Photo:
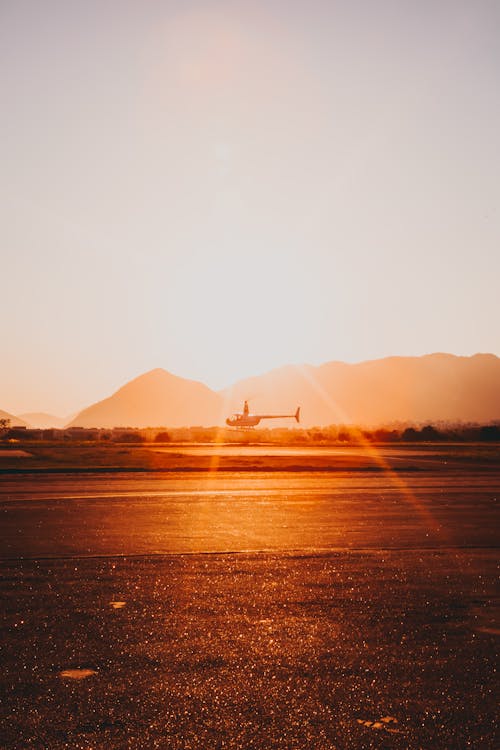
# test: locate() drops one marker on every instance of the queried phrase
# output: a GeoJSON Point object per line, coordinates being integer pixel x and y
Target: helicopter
{"type": "Point", "coordinates": [245, 419]}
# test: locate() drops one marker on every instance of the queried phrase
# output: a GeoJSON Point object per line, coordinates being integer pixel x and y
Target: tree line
{"type": "Point", "coordinates": [329, 435]}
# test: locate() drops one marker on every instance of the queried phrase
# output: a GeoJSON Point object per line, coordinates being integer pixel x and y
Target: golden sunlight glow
{"type": "Point", "coordinates": [404, 489]}
{"type": "Point", "coordinates": [237, 172]}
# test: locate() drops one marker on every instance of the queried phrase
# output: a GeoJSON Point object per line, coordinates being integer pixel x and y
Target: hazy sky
{"type": "Point", "coordinates": [219, 188]}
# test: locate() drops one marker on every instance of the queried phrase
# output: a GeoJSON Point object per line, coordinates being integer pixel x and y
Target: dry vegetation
{"type": "Point", "coordinates": [102, 456]}
{"type": "Point", "coordinates": [328, 435]}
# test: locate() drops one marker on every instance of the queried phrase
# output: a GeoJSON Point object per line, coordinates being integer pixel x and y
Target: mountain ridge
{"type": "Point", "coordinates": [14, 420]}
{"type": "Point", "coordinates": [431, 387]}
{"type": "Point", "coordinates": [42, 420]}
{"type": "Point", "coordinates": [155, 398]}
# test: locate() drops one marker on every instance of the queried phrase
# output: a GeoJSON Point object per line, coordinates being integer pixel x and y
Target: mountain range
{"type": "Point", "coordinates": [156, 398]}
{"type": "Point", "coordinates": [431, 388]}
{"type": "Point", "coordinates": [435, 387]}
{"type": "Point", "coordinates": [13, 420]}
{"type": "Point", "coordinates": [41, 420]}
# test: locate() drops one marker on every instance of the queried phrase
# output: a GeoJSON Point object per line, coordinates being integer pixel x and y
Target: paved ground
{"type": "Point", "coordinates": [43, 515]}
{"type": "Point", "coordinates": [282, 610]}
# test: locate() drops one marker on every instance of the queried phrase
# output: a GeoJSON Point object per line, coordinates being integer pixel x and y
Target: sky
{"type": "Point", "coordinates": [220, 188]}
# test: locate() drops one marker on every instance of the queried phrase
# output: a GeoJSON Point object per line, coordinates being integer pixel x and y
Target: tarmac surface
{"type": "Point", "coordinates": [281, 609]}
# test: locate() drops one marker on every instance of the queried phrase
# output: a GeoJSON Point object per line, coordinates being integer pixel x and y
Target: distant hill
{"type": "Point", "coordinates": [154, 399]}
{"type": "Point", "coordinates": [40, 420]}
{"type": "Point", "coordinates": [432, 388]}
{"type": "Point", "coordinates": [14, 421]}
{"type": "Point", "coordinates": [435, 387]}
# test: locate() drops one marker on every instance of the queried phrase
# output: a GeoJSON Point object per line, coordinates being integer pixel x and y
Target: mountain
{"type": "Point", "coordinates": [431, 388]}
{"type": "Point", "coordinates": [155, 399]}
{"type": "Point", "coordinates": [40, 420]}
{"type": "Point", "coordinates": [14, 421]}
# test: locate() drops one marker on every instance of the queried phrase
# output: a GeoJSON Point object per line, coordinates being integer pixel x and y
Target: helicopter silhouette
{"type": "Point", "coordinates": [245, 419]}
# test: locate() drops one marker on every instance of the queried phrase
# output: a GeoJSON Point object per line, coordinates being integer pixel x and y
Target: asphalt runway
{"type": "Point", "coordinates": [330, 610]}
{"type": "Point", "coordinates": [43, 516]}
